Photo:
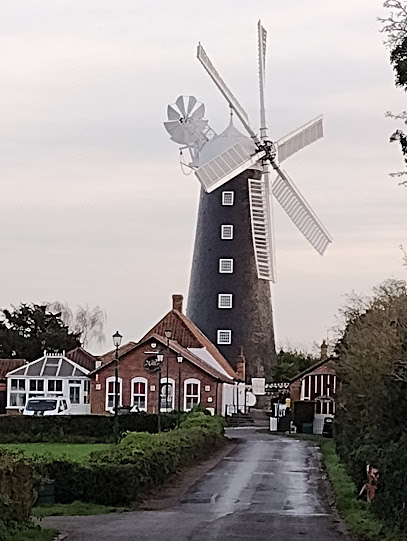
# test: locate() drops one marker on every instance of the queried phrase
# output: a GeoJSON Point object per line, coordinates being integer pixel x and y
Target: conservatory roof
{"type": "Point", "coordinates": [51, 365]}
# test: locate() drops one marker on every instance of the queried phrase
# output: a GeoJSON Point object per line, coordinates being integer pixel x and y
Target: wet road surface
{"type": "Point", "coordinates": [267, 488]}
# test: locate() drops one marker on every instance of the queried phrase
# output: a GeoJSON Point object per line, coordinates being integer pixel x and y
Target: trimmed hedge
{"type": "Point", "coordinates": [77, 428]}
{"type": "Point", "coordinates": [141, 461]}
{"type": "Point", "coordinates": [16, 488]}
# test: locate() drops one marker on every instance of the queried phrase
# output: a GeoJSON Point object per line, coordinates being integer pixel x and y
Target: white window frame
{"type": "Point", "coordinates": [225, 195]}
{"type": "Point", "coordinates": [133, 405]}
{"type": "Point", "coordinates": [35, 392]}
{"type": "Point", "coordinates": [171, 382]}
{"type": "Point", "coordinates": [16, 392]}
{"type": "Point", "coordinates": [226, 342]}
{"type": "Point", "coordinates": [222, 261]}
{"type": "Point", "coordinates": [192, 381]}
{"type": "Point", "coordinates": [110, 380]}
{"type": "Point", "coordinates": [55, 381]}
{"type": "Point", "coordinates": [224, 230]}
{"type": "Point", "coordinates": [225, 297]}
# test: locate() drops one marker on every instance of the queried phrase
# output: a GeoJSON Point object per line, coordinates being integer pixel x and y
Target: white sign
{"type": "Point", "coordinates": [259, 386]}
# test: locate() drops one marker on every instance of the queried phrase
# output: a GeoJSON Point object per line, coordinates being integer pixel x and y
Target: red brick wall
{"type": "Point", "coordinates": [131, 365]}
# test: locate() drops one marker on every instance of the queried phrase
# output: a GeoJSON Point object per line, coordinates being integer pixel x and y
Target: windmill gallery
{"type": "Point", "coordinates": [233, 262]}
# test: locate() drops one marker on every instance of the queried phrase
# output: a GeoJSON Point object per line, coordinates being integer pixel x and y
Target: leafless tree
{"type": "Point", "coordinates": [87, 321]}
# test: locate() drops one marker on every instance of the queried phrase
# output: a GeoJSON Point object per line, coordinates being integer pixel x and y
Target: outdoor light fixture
{"type": "Point", "coordinates": [168, 333]}
{"type": "Point", "coordinates": [179, 359]}
{"type": "Point", "coordinates": [117, 340]}
{"type": "Point", "coordinates": [160, 358]}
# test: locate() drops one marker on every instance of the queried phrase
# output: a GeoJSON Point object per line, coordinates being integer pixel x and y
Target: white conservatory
{"type": "Point", "coordinates": [53, 374]}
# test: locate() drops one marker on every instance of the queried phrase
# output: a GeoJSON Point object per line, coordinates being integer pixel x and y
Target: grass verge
{"type": "Point", "coordinates": [356, 513]}
{"type": "Point", "coordinates": [76, 508]}
{"type": "Point", "coordinates": [24, 533]}
{"type": "Point", "coordinates": [74, 451]}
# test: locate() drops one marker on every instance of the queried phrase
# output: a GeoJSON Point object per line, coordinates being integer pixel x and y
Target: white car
{"type": "Point", "coordinates": [48, 405]}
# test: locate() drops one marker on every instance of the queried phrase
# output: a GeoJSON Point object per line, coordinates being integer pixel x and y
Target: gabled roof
{"type": "Point", "coordinates": [82, 357]}
{"type": "Point", "coordinates": [187, 334]}
{"type": "Point", "coordinates": [51, 366]}
{"type": "Point", "coordinates": [312, 368]}
{"type": "Point", "coordinates": [176, 348]}
{"type": "Point", "coordinates": [110, 355]}
{"type": "Point", "coordinates": [7, 365]}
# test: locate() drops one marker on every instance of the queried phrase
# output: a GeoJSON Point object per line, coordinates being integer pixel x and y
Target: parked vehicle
{"type": "Point", "coordinates": [48, 405]}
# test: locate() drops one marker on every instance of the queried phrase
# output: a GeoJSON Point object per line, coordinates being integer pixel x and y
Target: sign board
{"type": "Point", "coordinates": [250, 399]}
{"type": "Point", "coordinates": [259, 386]}
{"type": "Point", "coordinates": [152, 364]}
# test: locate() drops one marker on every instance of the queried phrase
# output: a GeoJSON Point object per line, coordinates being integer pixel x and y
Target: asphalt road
{"type": "Point", "coordinates": [267, 488]}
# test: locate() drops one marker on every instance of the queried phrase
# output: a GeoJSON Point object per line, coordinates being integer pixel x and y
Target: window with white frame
{"type": "Point", "coordinates": [139, 394]}
{"type": "Point", "coordinates": [110, 392]}
{"type": "Point", "coordinates": [226, 232]}
{"type": "Point", "coordinates": [55, 386]}
{"type": "Point", "coordinates": [17, 393]}
{"type": "Point", "coordinates": [167, 395]}
{"type": "Point", "coordinates": [225, 266]}
{"type": "Point", "coordinates": [224, 336]}
{"type": "Point", "coordinates": [225, 300]}
{"type": "Point", "coordinates": [228, 198]}
{"type": "Point", "coordinates": [36, 387]}
{"type": "Point", "coordinates": [192, 392]}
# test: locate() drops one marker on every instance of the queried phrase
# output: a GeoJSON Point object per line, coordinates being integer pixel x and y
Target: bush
{"type": "Point", "coordinates": [16, 487]}
{"type": "Point", "coordinates": [77, 428]}
{"type": "Point", "coordinates": [119, 475]}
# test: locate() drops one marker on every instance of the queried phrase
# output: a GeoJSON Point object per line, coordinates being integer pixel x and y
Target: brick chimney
{"type": "Point", "coordinates": [324, 350]}
{"type": "Point", "coordinates": [241, 365]}
{"type": "Point", "coordinates": [177, 302]}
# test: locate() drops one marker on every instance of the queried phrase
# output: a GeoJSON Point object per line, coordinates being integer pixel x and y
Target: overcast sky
{"type": "Point", "coordinates": [94, 207]}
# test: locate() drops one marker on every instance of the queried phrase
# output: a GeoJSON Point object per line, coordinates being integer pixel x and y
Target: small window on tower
{"type": "Point", "coordinates": [224, 300]}
{"type": "Point", "coordinates": [226, 266]}
{"type": "Point", "coordinates": [224, 337]}
{"type": "Point", "coordinates": [228, 198]}
{"type": "Point", "coordinates": [226, 232]}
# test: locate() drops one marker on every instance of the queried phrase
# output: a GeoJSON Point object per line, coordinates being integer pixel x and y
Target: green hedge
{"type": "Point", "coordinates": [16, 488]}
{"type": "Point", "coordinates": [121, 474]}
{"type": "Point", "coordinates": [77, 428]}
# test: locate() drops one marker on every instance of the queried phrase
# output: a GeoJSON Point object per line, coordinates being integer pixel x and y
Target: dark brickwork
{"type": "Point", "coordinates": [251, 318]}
{"type": "Point", "coordinates": [131, 365]}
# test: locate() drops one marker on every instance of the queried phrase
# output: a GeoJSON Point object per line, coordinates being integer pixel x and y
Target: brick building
{"type": "Point", "coordinates": [317, 384]}
{"type": "Point", "coordinates": [202, 377]}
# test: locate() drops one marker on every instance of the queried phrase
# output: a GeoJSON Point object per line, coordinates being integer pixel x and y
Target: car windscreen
{"type": "Point", "coordinates": [41, 405]}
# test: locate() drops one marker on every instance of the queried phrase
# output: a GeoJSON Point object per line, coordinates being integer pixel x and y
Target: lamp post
{"type": "Point", "coordinates": [117, 339]}
{"type": "Point", "coordinates": [160, 358]}
{"type": "Point", "coordinates": [168, 333]}
{"type": "Point", "coordinates": [179, 359]}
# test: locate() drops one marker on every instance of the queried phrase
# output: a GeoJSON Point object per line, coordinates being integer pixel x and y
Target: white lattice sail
{"type": "Point", "coordinates": [226, 166]}
{"type": "Point", "coordinates": [292, 201]}
{"type": "Point", "coordinates": [261, 228]}
{"type": "Point", "coordinates": [298, 139]}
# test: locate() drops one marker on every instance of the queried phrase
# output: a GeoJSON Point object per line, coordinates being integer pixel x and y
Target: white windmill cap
{"type": "Point", "coordinates": [222, 142]}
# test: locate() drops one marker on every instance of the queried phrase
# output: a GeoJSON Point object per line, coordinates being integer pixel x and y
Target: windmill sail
{"type": "Point", "coordinates": [226, 166]}
{"type": "Point", "coordinates": [261, 217]}
{"type": "Point", "coordinates": [300, 138]}
{"type": "Point", "coordinates": [290, 198]}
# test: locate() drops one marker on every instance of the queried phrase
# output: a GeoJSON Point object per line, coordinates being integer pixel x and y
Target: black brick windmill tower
{"type": "Point", "coordinates": [233, 263]}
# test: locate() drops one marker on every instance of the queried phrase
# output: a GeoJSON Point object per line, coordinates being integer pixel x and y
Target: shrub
{"type": "Point", "coordinates": [16, 487]}
{"type": "Point", "coordinates": [119, 475]}
{"type": "Point", "coordinates": [77, 428]}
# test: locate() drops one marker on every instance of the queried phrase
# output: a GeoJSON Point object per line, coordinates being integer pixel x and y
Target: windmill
{"type": "Point", "coordinates": [243, 166]}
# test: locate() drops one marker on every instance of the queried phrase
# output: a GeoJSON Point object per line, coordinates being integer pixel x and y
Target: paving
{"type": "Point", "coordinates": [266, 488]}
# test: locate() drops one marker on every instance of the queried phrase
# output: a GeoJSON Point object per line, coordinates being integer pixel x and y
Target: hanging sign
{"type": "Point", "coordinates": [152, 364]}
{"type": "Point", "coordinates": [259, 386]}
